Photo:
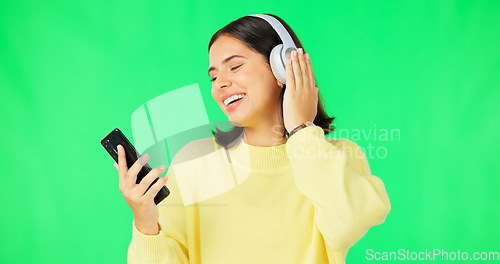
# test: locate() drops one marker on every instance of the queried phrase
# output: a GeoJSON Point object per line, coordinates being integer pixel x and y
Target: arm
{"type": "Point", "coordinates": [170, 245]}
{"type": "Point", "coordinates": [347, 199]}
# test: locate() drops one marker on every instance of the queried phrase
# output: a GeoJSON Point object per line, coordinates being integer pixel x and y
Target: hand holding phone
{"type": "Point", "coordinates": [139, 198]}
{"type": "Point", "coordinates": [110, 143]}
{"type": "Point", "coordinates": [139, 184]}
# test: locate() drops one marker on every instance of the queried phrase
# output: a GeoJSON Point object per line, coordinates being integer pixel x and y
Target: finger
{"type": "Point", "coordinates": [148, 179]}
{"type": "Point", "coordinates": [153, 191]}
{"type": "Point", "coordinates": [290, 79]}
{"type": "Point", "coordinates": [122, 164]}
{"type": "Point", "coordinates": [303, 69]}
{"type": "Point", "coordinates": [312, 81]}
{"type": "Point", "coordinates": [134, 170]}
{"type": "Point", "coordinates": [296, 71]}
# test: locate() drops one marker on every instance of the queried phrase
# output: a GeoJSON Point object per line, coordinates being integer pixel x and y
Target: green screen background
{"type": "Point", "coordinates": [72, 71]}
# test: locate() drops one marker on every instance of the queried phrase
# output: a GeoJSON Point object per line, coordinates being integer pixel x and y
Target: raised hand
{"type": "Point", "coordinates": [138, 197]}
{"type": "Point", "coordinates": [301, 95]}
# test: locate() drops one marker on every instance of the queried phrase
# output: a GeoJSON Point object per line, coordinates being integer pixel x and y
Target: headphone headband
{"type": "Point", "coordinates": [279, 28]}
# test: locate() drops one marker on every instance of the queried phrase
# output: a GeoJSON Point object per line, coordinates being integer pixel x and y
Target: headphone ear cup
{"type": "Point", "coordinates": [277, 64]}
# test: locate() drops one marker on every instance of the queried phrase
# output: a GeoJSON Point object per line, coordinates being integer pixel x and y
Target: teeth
{"type": "Point", "coordinates": [232, 98]}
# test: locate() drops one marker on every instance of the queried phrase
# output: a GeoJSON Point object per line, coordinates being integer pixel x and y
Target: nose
{"type": "Point", "coordinates": [222, 81]}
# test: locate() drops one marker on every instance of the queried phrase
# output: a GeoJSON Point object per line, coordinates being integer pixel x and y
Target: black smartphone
{"type": "Point", "coordinates": [115, 138]}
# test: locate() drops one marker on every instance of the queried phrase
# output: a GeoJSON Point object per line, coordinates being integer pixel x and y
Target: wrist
{"type": "Point", "coordinates": [300, 127]}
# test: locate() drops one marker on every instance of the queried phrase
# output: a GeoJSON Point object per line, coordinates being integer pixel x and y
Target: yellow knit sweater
{"type": "Point", "coordinates": [306, 201]}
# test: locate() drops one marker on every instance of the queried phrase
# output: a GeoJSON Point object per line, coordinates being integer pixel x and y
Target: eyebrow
{"type": "Point", "coordinates": [226, 60]}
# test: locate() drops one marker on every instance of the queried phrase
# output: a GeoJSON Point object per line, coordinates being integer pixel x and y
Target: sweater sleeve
{"type": "Point", "coordinates": [170, 245]}
{"type": "Point", "coordinates": [335, 176]}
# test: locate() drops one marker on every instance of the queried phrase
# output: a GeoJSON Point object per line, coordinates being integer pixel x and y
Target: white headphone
{"type": "Point", "coordinates": [281, 53]}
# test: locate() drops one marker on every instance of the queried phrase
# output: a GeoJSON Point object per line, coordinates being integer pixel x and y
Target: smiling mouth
{"type": "Point", "coordinates": [233, 99]}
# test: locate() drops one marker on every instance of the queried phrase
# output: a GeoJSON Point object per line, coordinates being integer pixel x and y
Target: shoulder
{"type": "Point", "coordinates": [356, 159]}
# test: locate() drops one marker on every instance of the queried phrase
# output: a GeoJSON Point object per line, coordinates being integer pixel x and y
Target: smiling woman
{"type": "Point", "coordinates": [238, 70]}
{"type": "Point", "coordinates": [256, 38]}
{"type": "Point", "coordinates": [292, 196]}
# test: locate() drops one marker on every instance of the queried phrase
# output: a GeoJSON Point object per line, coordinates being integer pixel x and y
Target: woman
{"type": "Point", "coordinates": [295, 197]}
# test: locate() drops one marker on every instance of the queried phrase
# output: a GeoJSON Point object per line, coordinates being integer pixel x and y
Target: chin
{"type": "Point", "coordinates": [235, 121]}
{"type": "Point", "coordinates": [235, 118]}
{"type": "Point", "coordinates": [237, 124]}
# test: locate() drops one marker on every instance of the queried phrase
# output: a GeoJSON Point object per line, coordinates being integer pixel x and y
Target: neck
{"type": "Point", "coordinates": [267, 136]}
{"type": "Point", "coordinates": [267, 131]}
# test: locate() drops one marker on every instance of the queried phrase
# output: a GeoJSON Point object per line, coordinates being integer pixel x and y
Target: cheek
{"type": "Point", "coordinates": [215, 95]}
{"type": "Point", "coordinates": [265, 82]}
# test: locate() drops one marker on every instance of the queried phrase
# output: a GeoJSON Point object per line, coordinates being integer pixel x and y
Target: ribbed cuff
{"type": "Point", "coordinates": [149, 247]}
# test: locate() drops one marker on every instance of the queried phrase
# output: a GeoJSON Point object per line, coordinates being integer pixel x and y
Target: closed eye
{"type": "Point", "coordinates": [236, 67]}
{"type": "Point", "coordinates": [232, 69]}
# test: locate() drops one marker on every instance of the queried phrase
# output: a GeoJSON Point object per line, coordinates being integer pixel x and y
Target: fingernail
{"type": "Point", "coordinates": [118, 149]}
{"type": "Point", "coordinates": [307, 56]}
{"type": "Point", "coordinates": [144, 159]}
{"type": "Point", "coordinates": [294, 53]}
{"type": "Point", "coordinates": [301, 51]}
{"type": "Point", "coordinates": [162, 167]}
